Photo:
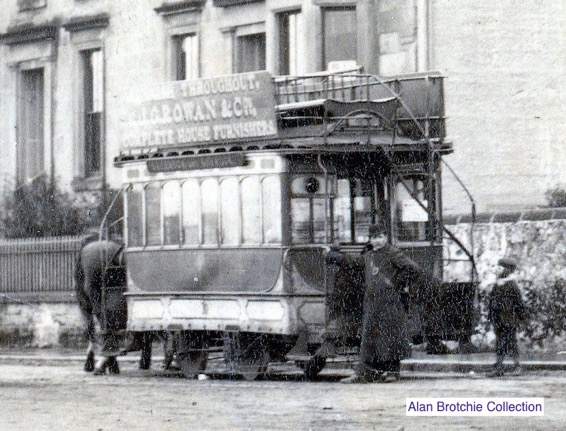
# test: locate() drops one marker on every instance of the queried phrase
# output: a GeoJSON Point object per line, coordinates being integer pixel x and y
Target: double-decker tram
{"type": "Point", "coordinates": [237, 187]}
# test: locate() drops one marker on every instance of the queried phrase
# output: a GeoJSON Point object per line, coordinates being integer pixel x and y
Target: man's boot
{"type": "Point", "coordinates": [497, 368]}
{"type": "Point", "coordinates": [364, 374]}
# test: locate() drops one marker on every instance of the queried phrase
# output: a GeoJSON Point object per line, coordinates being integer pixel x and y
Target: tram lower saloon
{"type": "Point", "coordinates": [231, 261]}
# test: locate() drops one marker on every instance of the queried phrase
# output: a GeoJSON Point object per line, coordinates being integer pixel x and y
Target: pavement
{"type": "Point", "coordinates": [419, 361]}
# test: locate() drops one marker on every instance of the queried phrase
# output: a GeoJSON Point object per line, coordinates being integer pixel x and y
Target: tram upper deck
{"type": "Point", "coordinates": [255, 111]}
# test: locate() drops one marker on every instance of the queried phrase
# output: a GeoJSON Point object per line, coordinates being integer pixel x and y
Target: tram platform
{"type": "Point", "coordinates": [419, 362]}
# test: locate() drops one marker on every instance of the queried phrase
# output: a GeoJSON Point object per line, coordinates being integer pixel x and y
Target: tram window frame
{"type": "Point", "coordinates": [310, 191]}
{"type": "Point", "coordinates": [417, 229]}
{"type": "Point", "coordinates": [251, 219]}
{"type": "Point", "coordinates": [230, 211]}
{"type": "Point", "coordinates": [153, 219]}
{"type": "Point", "coordinates": [171, 206]}
{"type": "Point", "coordinates": [271, 209]}
{"type": "Point", "coordinates": [135, 207]}
{"type": "Point", "coordinates": [366, 203]}
{"type": "Point", "coordinates": [191, 213]}
{"type": "Point", "coordinates": [210, 212]}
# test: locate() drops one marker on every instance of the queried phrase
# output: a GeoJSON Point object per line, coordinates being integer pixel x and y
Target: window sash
{"type": "Point", "coordinates": [292, 53]}
{"type": "Point", "coordinates": [31, 124]}
{"type": "Point", "coordinates": [339, 34]}
{"type": "Point", "coordinates": [93, 97]}
{"type": "Point", "coordinates": [250, 55]}
{"type": "Point", "coordinates": [186, 57]}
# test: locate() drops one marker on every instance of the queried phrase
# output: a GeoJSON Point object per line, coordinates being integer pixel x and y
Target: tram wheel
{"type": "Point", "coordinates": [191, 355]}
{"type": "Point", "coordinates": [313, 367]}
{"type": "Point", "coordinates": [191, 363]}
{"type": "Point", "coordinates": [247, 355]}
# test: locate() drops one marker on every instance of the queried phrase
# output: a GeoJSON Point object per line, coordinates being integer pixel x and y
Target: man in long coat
{"type": "Point", "coordinates": [389, 277]}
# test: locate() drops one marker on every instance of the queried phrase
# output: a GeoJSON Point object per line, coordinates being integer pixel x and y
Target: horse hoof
{"type": "Point", "coordinates": [113, 367]}
{"type": "Point", "coordinates": [99, 372]}
{"type": "Point", "coordinates": [89, 362]}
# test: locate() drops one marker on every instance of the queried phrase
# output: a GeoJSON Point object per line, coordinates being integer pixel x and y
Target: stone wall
{"type": "Point", "coordinates": [540, 248]}
{"type": "Point", "coordinates": [41, 325]}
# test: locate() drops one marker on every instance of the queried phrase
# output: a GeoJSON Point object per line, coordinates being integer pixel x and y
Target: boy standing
{"type": "Point", "coordinates": [506, 311]}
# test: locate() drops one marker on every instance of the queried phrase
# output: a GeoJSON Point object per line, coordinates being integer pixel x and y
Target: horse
{"type": "Point", "coordinates": [100, 278]}
{"type": "Point", "coordinates": [92, 276]}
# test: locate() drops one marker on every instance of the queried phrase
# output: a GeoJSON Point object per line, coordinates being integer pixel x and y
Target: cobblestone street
{"type": "Point", "coordinates": [42, 395]}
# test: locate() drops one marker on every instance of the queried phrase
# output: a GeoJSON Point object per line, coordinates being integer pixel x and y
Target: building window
{"type": "Point", "coordinates": [93, 97]}
{"type": "Point", "coordinates": [250, 52]}
{"type": "Point", "coordinates": [185, 57]}
{"type": "Point", "coordinates": [291, 43]}
{"type": "Point", "coordinates": [339, 34]}
{"type": "Point", "coordinates": [30, 125]}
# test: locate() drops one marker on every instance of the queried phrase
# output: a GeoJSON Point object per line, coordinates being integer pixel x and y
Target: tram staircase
{"type": "Point", "coordinates": [404, 112]}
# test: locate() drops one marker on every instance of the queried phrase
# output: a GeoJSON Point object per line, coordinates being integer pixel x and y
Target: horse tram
{"type": "Point", "coordinates": [237, 187]}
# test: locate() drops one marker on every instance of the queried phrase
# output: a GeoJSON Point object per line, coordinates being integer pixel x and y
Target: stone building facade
{"type": "Point", "coordinates": [67, 67]}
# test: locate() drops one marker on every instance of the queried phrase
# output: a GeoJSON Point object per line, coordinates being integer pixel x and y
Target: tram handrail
{"type": "Point", "coordinates": [453, 237]}
{"type": "Point", "coordinates": [107, 213]}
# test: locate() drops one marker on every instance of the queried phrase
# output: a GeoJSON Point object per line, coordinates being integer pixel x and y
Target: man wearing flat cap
{"type": "Point", "coordinates": [506, 311]}
{"type": "Point", "coordinates": [388, 272]}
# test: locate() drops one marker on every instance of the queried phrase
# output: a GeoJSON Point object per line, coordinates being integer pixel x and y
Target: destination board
{"type": "Point", "coordinates": [232, 108]}
{"type": "Point", "coordinates": [208, 161]}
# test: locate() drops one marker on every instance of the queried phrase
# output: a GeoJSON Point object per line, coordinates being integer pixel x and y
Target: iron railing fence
{"type": "Point", "coordinates": [38, 265]}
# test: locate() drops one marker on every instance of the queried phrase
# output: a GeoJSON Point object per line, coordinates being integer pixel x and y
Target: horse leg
{"type": "Point", "coordinates": [106, 363]}
{"type": "Point", "coordinates": [86, 311]}
{"type": "Point", "coordinates": [101, 366]}
{"type": "Point", "coordinates": [89, 363]}
{"type": "Point", "coordinates": [145, 359]}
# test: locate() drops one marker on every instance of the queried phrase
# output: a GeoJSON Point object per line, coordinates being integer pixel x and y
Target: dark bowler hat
{"type": "Point", "coordinates": [376, 229]}
{"type": "Point", "coordinates": [507, 262]}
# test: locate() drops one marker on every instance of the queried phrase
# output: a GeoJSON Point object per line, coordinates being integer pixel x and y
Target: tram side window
{"type": "Point", "coordinates": [411, 217]}
{"type": "Point", "coordinates": [134, 202]}
{"type": "Point", "coordinates": [355, 207]}
{"type": "Point", "coordinates": [191, 212]}
{"type": "Point", "coordinates": [342, 212]}
{"type": "Point", "coordinates": [171, 213]}
{"type": "Point", "coordinates": [311, 211]}
{"type": "Point", "coordinates": [209, 205]}
{"type": "Point", "coordinates": [230, 210]}
{"type": "Point", "coordinates": [153, 214]}
{"type": "Point", "coordinates": [362, 209]}
{"type": "Point", "coordinates": [251, 220]}
{"type": "Point", "coordinates": [271, 205]}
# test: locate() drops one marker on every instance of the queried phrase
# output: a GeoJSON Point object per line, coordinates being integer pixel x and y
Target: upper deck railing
{"type": "Point", "coordinates": [410, 105]}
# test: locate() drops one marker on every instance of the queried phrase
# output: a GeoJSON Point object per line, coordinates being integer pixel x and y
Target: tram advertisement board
{"type": "Point", "coordinates": [205, 111]}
